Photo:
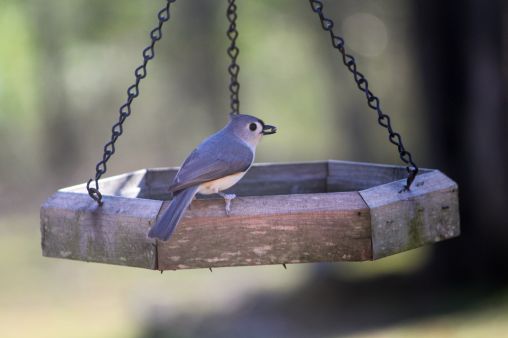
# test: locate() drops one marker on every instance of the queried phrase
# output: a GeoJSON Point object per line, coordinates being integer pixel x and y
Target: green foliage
{"type": "Point", "coordinates": [18, 91]}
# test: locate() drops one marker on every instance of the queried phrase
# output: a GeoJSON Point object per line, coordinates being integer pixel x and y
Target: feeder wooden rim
{"type": "Point", "coordinates": [326, 211]}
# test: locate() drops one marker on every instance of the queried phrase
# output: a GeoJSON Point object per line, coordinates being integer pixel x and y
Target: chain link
{"type": "Point", "coordinates": [125, 109]}
{"type": "Point", "coordinates": [233, 51]}
{"type": "Point", "coordinates": [363, 85]}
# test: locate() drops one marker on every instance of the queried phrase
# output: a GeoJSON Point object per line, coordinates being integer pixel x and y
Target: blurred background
{"type": "Point", "coordinates": [439, 68]}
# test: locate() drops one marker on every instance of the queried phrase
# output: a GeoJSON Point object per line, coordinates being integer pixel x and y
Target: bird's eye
{"type": "Point", "coordinates": [253, 126]}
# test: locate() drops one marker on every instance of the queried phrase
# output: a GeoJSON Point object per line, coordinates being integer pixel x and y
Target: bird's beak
{"type": "Point", "coordinates": [268, 129]}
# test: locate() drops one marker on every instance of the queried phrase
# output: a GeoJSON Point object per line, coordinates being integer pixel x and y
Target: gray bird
{"type": "Point", "coordinates": [216, 164]}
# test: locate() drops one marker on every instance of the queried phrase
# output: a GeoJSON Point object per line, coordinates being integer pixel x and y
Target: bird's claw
{"type": "Point", "coordinates": [227, 199]}
{"type": "Point", "coordinates": [190, 204]}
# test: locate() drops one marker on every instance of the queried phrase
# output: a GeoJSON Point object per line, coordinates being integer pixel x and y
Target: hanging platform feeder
{"type": "Point", "coordinates": [286, 213]}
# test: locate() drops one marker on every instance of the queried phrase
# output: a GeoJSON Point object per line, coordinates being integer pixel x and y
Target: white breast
{"type": "Point", "coordinates": [224, 183]}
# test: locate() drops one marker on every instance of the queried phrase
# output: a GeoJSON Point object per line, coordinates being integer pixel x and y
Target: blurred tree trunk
{"type": "Point", "coordinates": [200, 78]}
{"type": "Point", "coordinates": [462, 60]}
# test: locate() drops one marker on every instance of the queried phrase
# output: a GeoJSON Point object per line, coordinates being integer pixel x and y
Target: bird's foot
{"type": "Point", "coordinates": [190, 204]}
{"type": "Point", "coordinates": [227, 199]}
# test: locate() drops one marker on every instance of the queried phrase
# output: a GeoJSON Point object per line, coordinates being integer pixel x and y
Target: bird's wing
{"type": "Point", "coordinates": [215, 158]}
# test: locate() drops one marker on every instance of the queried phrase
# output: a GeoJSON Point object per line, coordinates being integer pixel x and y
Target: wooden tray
{"type": "Point", "coordinates": [326, 211]}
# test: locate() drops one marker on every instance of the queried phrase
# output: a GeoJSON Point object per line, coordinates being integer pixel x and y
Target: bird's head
{"type": "Point", "coordinates": [249, 128]}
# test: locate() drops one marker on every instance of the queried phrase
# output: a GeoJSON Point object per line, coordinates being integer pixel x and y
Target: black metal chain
{"type": "Point", "coordinates": [363, 85]}
{"type": "Point", "coordinates": [233, 51]}
{"type": "Point", "coordinates": [125, 109]}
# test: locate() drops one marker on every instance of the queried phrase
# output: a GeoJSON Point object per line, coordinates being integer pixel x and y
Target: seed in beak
{"type": "Point", "coordinates": [268, 129]}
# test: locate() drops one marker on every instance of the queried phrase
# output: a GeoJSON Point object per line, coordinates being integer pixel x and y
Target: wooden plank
{"type": "Point", "coordinates": [402, 221]}
{"type": "Point", "coordinates": [261, 179]}
{"type": "Point", "coordinates": [283, 179]}
{"type": "Point", "coordinates": [270, 230]}
{"type": "Point", "coordinates": [126, 185]}
{"type": "Point", "coordinates": [354, 176]}
{"type": "Point", "coordinates": [157, 183]}
{"type": "Point", "coordinates": [74, 227]}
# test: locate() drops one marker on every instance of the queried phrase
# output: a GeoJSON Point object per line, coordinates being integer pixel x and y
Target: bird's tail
{"type": "Point", "coordinates": [169, 220]}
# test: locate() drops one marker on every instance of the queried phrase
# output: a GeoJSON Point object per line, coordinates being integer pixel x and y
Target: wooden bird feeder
{"type": "Point", "coordinates": [328, 211]}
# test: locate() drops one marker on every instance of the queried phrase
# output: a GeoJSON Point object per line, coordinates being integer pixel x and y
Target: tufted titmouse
{"type": "Point", "coordinates": [216, 164]}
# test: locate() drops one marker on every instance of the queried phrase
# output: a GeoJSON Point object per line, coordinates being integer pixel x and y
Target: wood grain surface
{"type": "Point", "coordinates": [74, 227]}
{"type": "Point", "coordinates": [406, 220]}
{"type": "Point", "coordinates": [270, 230]}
